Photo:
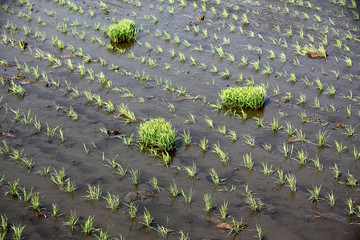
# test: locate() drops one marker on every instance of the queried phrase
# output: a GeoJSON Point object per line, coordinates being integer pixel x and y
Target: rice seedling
{"type": "Point", "coordinates": [236, 227]}
{"type": "Point", "coordinates": [112, 202]}
{"type": "Point", "coordinates": [174, 190]}
{"type": "Point", "coordinates": [204, 144]}
{"type": "Point", "coordinates": [191, 171]}
{"type": "Point", "coordinates": [281, 176]}
{"type": "Point", "coordinates": [18, 229]}
{"type": "Point", "coordinates": [248, 162]}
{"type": "Point", "coordinates": [16, 155]}
{"type": "Point", "coordinates": [336, 172]}
{"type": "Point", "coordinates": [291, 179]}
{"type": "Point", "coordinates": [300, 135]}
{"type": "Point", "coordinates": [232, 135]}
{"type": "Point", "coordinates": [275, 125]}
{"type": "Point", "coordinates": [208, 203]}
{"type": "Point", "coordinates": [356, 154]}
{"type": "Point", "coordinates": [348, 110]}
{"type": "Point", "coordinates": [133, 210]}
{"type": "Point", "coordinates": [331, 199]}
{"type": "Point", "coordinates": [88, 228]}
{"type": "Point", "coordinates": [222, 130]}
{"type": "Point", "coordinates": [351, 180]}
{"type": "Point", "coordinates": [187, 137]}
{"type": "Point", "coordinates": [127, 114]}
{"type": "Point", "coordinates": [154, 183]}
{"type": "Point", "coordinates": [215, 177]}
{"type": "Point", "coordinates": [266, 170]}
{"type": "Point", "coordinates": [17, 89]}
{"type": "Point", "coordinates": [319, 167]}
{"type": "Point", "coordinates": [188, 198]}
{"type": "Point", "coordinates": [36, 202]}
{"type": "Point", "coordinates": [29, 163]}
{"type": "Point", "coordinates": [164, 231]}
{"type": "Point", "coordinates": [124, 31]}
{"type": "Point", "coordinates": [94, 193]}
{"type": "Point", "coordinates": [348, 62]}
{"type": "Point", "coordinates": [158, 133]}
{"type": "Point", "coordinates": [339, 147]}
{"type": "Point", "coordinates": [135, 174]}
{"type": "Point", "coordinates": [249, 140]}
{"type": "Point", "coordinates": [350, 204]}
{"type": "Point", "coordinates": [255, 203]}
{"type": "Point", "coordinates": [245, 97]}
{"type": "Point", "coordinates": [322, 138]}
{"type": "Point", "coordinates": [4, 223]}
{"type": "Point", "coordinates": [314, 194]}
{"type": "Point", "coordinates": [302, 157]}
{"type": "Point", "coordinates": [301, 99]}
{"type": "Point", "coordinates": [148, 219]}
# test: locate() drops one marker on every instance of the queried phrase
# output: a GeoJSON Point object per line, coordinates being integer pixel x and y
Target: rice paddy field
{"type": "Point", "coordinates": [79, 160]}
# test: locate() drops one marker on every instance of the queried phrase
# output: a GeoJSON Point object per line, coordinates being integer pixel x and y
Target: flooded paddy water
{"type": "Point", "coordinates": [65, 135]}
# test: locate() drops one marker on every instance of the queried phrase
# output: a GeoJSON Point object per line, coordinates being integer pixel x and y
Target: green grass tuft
{"type": "Point", "coordinates": [158, 133]}
{"type": "Point", "coordinates": [245, 97]}
{"type": "Point", "coordinates": [124, 31]}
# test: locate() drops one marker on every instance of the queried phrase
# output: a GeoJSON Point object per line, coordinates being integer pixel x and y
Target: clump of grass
{"type": "Point", "coordinates": [158, 133]}
{"type": "Point", "coordinates": [124, 31]}
{"type": "Point", "coordinates": [245, 97]}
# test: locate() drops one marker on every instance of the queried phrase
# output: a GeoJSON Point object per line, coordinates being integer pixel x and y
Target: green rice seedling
{"type": "Point", "coordinates": [44, 172]}
{"type": "Point", "coordinates": [300, 135]}
{"type": "Point", "coordinates": [59, 178]}
{"type": "Point", "coordinates": [158, 133]}
{"type": "Point", "coordinates": [301, 99]}
{"type": "Point", "coordinates": [248, 162]}
{"type": "Point", "coordinates": [4, 223]}
{"type": "Point", "coordinates": [126, 113]}
{"type": "Point", "coordinates": [351, 180]}
{"type": "Point", "coordinates": [266, 170]}
{"type": "Point", "coordinates": [16, 155]}
{"type": "Point", "coordinates": [154, 182]}
{"type": "Point", "coordinates": [88, 228]}
{"type": "Point", "coordinates": [70, 185]}
{"type": "Point", "coordinates": [339, 147]}
{"type": "Point", "coordinates": [166, 158]}
{"type": "Point", "coordinates": [356, 154]}
{"type": "Point", "coordinates": [188, 198]}
{"type": "Point", "coordinates": [94, 193]}
{"type": "Point", "coordinates": [319, 84]}
{"type": "Point", "coordinates": [336, 172]}
{"type": "Point", "coordinates": [237, 227]}
{"type": "Point", "coordinates": [245, 97]}
{"type": "Point", "coordinates": [319, 167]}
{"type": "Point", "coordinates": [18, 229]}
{"type": "Point", "coordinates": [282, 57]}
{"type": "Point", "coordinates": [112, 202]}
{"type": "Point", "coordinates": [232, 135]}
{"type": "Point", "coordinates": [204, 144]}
{"type": "Point", "coordinates": [268, 70]}
{"type": "Point", "coordinates": [164, 231]}
{"type": "Point", "coordinates": [302, 157]}
{"type": "Point", "coordinates": [214, 69]}
{"type": "Point", "coordinates": [292, 78]}
{"type": "Point", "coordinates": [191, 170]}
{"type": "Point", "coordinates": [331, 199]}
{"type": "Point", "coordinates": [281, 177]}
{"type": "Point", "coordinates": [222, 130]}
{"type": "Point", "coordinates": [135, 174]}
{"type": "Point", "coordinates": [208, 203]}
{"type": "Point", "coordinates": [174, 190]}
{"type": "Point", "coordinates": [27, 195]}
{"type": "Point", "coordinates": [348, 110]}
{"type": "Point", "coordinates": [36, 202]}
{"type": "Point", "coordinates": [226, 74]}
{"type": "Point", "coordinates": [322, 138]}
{"type": "Point", "coordinates": [133, 210]}
{"type": "Point", "coordinates": [255, 203]}
{"type": "Point", "coordinates": [267, 147]}
{"type": "Point", "coordinates": [103, 235]}
{"type": "Point", "coordinates": [275, 125]}
{"type": "Point", "coordinates": [260, 122]}
{"type": "Point", "coordinates": [249, 140]}
{"type": "Point", "coordinates": [17, 89]}
{"type": "Point", "coordinates": [256, 65]}
{"type": "Point", "coordinates": [215, 177]}
{"type": "Point", "coordinates": [348, 62]}
{"type": "Point", "coordinates": [148, 220]}
{"type": "Point", "coordinates": [224, 210]}
{"type": "Point", "coordinates": [187, 137]}
{"type": "Point", "coordinates": [351, 209]}
{"type": "Point", "coordinates": [314, 194]}
{"type": "Point", "coordinates": [29, 163]}
{"type": "Point", "coordinates": [124, 31]}
{"type": "Point", "coordinates": [13, 188]}
{"type": "Point", "coordinates": [291, 179]}
{"type": "Point", "coordinates": [259, 232]}
{"type": "Point", "coordinates": [350, 131]}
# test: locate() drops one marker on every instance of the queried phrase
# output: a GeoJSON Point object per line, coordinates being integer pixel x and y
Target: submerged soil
{"type": "Point", "coordinates": [211, 45]}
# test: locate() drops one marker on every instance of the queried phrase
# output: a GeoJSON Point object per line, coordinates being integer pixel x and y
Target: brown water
{"type": "Point", "coordinates": [285, 215]}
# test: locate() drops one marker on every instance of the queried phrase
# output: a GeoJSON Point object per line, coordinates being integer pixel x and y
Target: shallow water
{"type": "Point", "coordinates": [283, 215]}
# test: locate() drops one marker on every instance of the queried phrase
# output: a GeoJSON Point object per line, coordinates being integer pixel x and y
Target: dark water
{"type": "Point", "coordinates": [283, 215]}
